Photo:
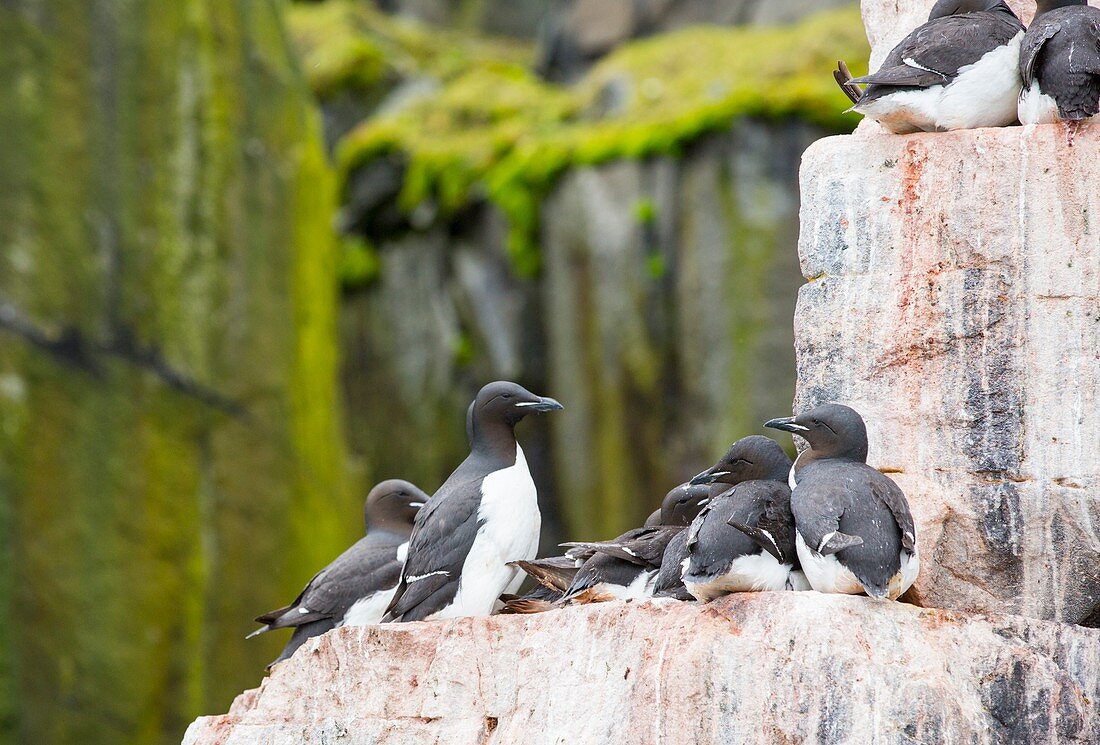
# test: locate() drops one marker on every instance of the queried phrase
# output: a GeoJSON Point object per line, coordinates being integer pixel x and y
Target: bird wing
{"type": "Point", "coordinates": [554, 573]}
{"type": "Point", "coordinates": [1034, 40]}
{"type": "Point", "coordinates": [601, 568]}
{"type": "Point", "coordinates": [891, 495]}
{"type": "Point", "coordinates": [444, 532]}
{"type": "Point", "coordinates": [774, 528]}
{"type": "Point", "coordinates": [363, 569]}
{"type": "Point", "coordinates": [670, 578]}
{"type": "Point", "coordinates": [935, 52]}
{"type": "Point", "coordinates": [643, 546]}
{"type": "Point", "coordinates": [714, 543]}
{"type": "Point", "coordinates": [818, 505]}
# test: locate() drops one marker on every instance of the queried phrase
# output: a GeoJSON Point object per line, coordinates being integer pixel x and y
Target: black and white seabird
{"type": "Point", "coordinates": [553, 574]}
{"type": "Point", "coordinates": [626, 567]}
{"type": "Point", "coordinates": [1060, 63]}
{"type": "Point", "coordinates": [743, 541]}
{"type": "Point", "coordinates": [692, 497]}
{"type": "Point", "coordinates": [854, 531]}
{"type": "Point", "coordinates": [484, 516]}
{"type": "Point", "coordinates": [356, 588]}
{"type": "Point", "coordinates": [960, 70]}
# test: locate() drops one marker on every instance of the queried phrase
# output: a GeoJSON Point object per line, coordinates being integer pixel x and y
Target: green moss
{"type": "Point", "coordinates": [348, 45]}
{"type": "Point", "coordinates": [163, 186]}
{"type": "Point", "coordinates": [359, 263]}
{"type": "Point", "coordinates": [496, 132]}
{"type": "Point", "coordinates": [645, 212]}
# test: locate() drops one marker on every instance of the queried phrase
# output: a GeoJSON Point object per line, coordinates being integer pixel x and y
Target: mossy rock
{"type": "Point", "coordinates": [347, 45]}
{"type": "Point", "coordinates": [497, 132]}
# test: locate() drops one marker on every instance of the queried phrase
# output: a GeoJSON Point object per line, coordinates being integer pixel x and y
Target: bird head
{"type": "Point", "coordinates": [748, 459]}
{"type": "Point", "coordinates": [833, 430]}
{"type": "Point", "coordinates": [394, 504]}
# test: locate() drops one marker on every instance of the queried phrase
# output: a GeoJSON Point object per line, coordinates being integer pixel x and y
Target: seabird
{"type": "Point", "coordinates": [484, 516]}
{"type": "Point", "coordinates": [743, 541]}
{"type": "Point", "coordinates": [854, 531]}
{"type": "Point", "coordinates": [669, 583]}
{"type": "Point", "coordinates": [553, 575]}
{"type": "Point", "coordinates": [626, 568]}
{"type": "Point", "coordinates": [960, 70]}
{"type": "Point", "coordinates": [1060, 63]}
{"type": "Point", "coordinates": [356, 588]}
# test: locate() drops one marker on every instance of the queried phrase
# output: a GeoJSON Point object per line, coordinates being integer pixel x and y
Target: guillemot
{"type": "Point", "coordinates": [484, 516]}
{"type": "Point", "coordinates": [553, 575]}
{"type": "Point", "coordinates": [627, 567]}
{"type": "Point", "coordinates": [743, 541]}
{"type": "Point", "coordinates": [854, 531]}
{"type": "Point", "coordinates": [356, 588]}
{"type": "Point", "coordinates": [1060, 63]}
{"type": "Point", "coordinates": [669, 582]}
{"type": "Point", "coordinates": [960, 70]}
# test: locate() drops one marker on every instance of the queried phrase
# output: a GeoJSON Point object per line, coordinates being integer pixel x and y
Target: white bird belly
{"type": "Point", "coordinates": [757, 573]}
{"type": "Point", "coordinates": [984, 94]}
{"type": "Point", "coordinates": [510, 524]}
{"type": "Point", "coordinates": [826, 573]}
{"type": "Point", "coordinates": [641, 587]}
{"type": "Point", "coordinates": [369, 610]}
{"type": "Point", "coordinates": [1036, 107]}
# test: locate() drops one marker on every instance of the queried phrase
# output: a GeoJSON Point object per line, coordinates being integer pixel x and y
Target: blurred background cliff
{"type": "Point", "coordinates": [257, 255]}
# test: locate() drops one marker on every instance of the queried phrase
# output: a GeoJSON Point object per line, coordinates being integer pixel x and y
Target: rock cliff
{"type": "Point", "coordinates": [754, 668]}
{"type": "Point", "coordinates": [953, 286]}
{"type": "Point", "coordinates": [952, 293]}
{"type": "Point", "coordinates": [954, 282]}
{"type": "Point", "coordinates": [168, 405]}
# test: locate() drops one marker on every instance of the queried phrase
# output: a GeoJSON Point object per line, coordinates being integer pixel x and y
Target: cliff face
{"type": "Point", "coordinates": [761, 669]}
{"type": "Point", "coordinates": [167, 364]}
{"type": "Point", "coordinates": [662, 316]}
{"type": "Point", "coordinates": [627, 243]}
{"type": "Point", "coordinates": [953, 295]}
{"type": "Point", "coordinates": [953, 286]}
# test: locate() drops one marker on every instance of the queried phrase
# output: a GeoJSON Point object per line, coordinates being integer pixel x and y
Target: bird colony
{"type": "Point", "coordinates": [755, 521]}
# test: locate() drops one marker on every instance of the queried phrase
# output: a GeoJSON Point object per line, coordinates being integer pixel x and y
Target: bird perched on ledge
{"type": "Point", "coordinates": [743, 541]}
{"type": "Point", "coordinates": [854, 530]}
{"type": "Point", "coordinates": [356, 588]}
{"type": "Point", "coordinates": [1060, 63]}
{"type": "Point", "coordinates": [960, 70]}
{"type": "Point", "coordinates": [484, 516]}
{"type": "Point", "coordinates": [627, 567]}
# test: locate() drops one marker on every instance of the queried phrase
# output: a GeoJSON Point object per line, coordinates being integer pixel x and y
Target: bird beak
{"type": "Point", "coordinates": [543, 404]}
{"type": "Point", "coordinates": [708, 477]}
{"type": "Point", "coordinates": [786, 425]}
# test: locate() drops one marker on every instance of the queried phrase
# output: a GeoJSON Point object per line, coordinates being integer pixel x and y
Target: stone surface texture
{"type": "Point", "coordinates": [662, 318]}
{"type": "Point", "coordinates": [754, 668]}
{"type": "Point", "coordinates": [954, 299]}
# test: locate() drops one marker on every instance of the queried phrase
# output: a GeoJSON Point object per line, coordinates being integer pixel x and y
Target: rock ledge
{"type": "Point", "coordinates": [754, 668]}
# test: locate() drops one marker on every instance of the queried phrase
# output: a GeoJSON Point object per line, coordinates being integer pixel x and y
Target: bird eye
{"type": "Point", "coordinates": [507, 395]}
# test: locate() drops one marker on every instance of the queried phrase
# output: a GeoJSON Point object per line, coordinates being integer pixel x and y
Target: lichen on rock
{"type": "Point", "coordinates": [496, 132]}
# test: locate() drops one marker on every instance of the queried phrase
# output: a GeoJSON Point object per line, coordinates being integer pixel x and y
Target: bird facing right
{"type": "Point", "coordinates": [854, 531]}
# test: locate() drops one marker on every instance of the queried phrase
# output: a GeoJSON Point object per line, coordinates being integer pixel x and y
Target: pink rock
{"type": "Point", "coordinates": [954, 299]}
{"type": "Point", "coordinates": [754, 668]}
